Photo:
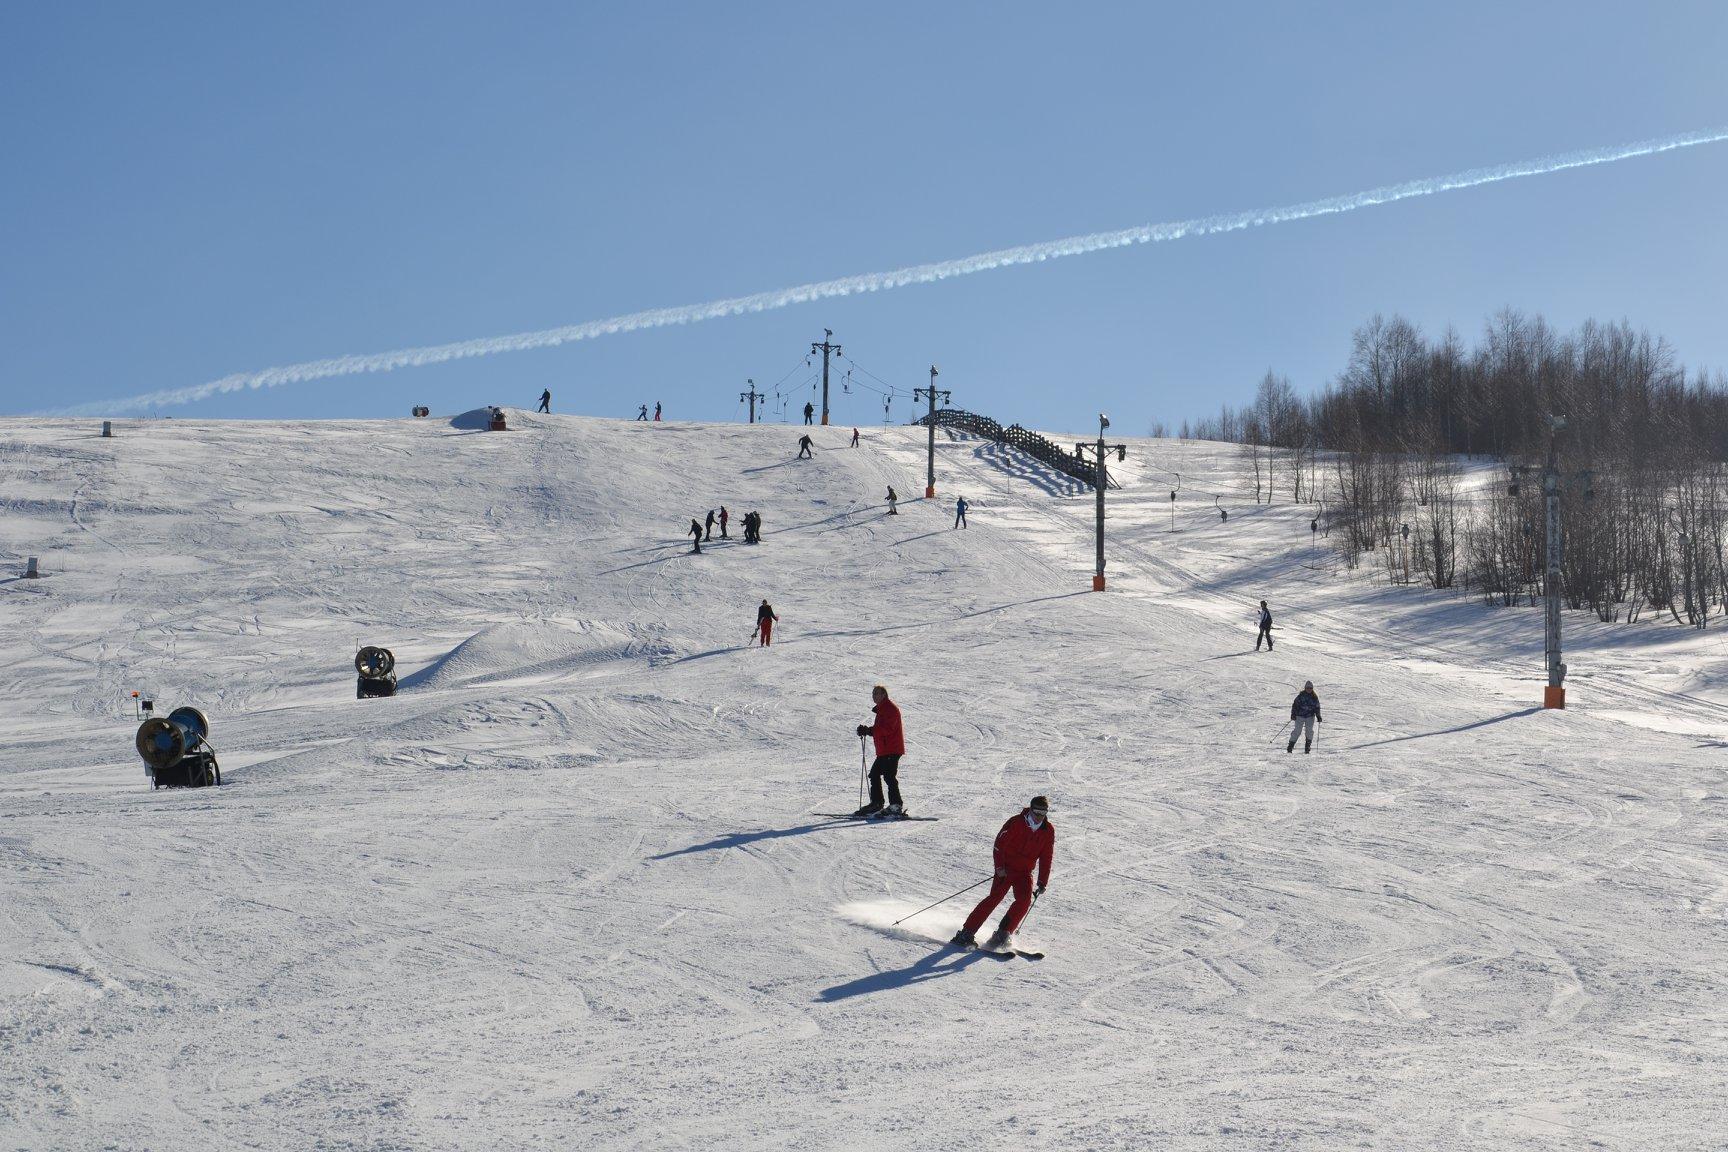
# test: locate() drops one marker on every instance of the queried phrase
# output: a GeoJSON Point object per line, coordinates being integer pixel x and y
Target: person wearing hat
{"type": "Point", "coordinates": [765, 620]}
{"type": "Point", "coordinates": [890, 746]}
{"type": "Point", "coordinates": [1026, 839]}
{"type": "Point", "coordinates": [1304, 714]}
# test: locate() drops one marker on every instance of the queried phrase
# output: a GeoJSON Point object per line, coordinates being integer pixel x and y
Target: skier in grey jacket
{"type": "Point", "coordinates": [1304, 714]}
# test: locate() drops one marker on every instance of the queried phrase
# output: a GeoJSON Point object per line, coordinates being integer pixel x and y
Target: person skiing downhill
{"type": "Point", "coordinates": [696, 531]}
{"type": "Point", "coordinates": [890, 746]}
{"type": "Point", "coordinates": [810, 411]}
{"type": "Point", "coordinates": [546, 401]}
{"type": "Point", "coordinates": [765, 621]}
{"type": "Point", "coordinates": [724, 516]}
{"type": "Point", "coordinates": [1025, 840]}
{"type": "Point", "coordinates": [960, 512]}
{"type": "Point", "coordinates": [804, 447]}
{"type": "Point", "coordinates": [1304, 714]}
{"type": "Point", "coordinates": [1265, 628]}
{"type": "Point", "coordinates": [892, 500]}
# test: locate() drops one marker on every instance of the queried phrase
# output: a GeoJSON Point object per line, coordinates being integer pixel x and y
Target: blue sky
{"type": "Point", "coordinates": [196, 190]}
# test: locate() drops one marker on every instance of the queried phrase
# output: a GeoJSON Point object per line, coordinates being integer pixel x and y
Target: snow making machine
{"type": "Point", "coordinates": [377, 668]}
{"type": "Point", "coordinates": [176, 751]}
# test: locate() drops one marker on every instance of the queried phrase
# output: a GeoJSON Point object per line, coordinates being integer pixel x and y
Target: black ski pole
{"type": "Point", "coordinates": [944, 900]}
{"type": "Point", "coordinates": [1280, 731]}
{"type": "Point", "coordinates": [862, 756]}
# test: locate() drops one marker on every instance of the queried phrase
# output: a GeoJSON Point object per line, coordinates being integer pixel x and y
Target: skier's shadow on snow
{"type": "Point", "coordinates": [932, 967]}
{"type": "Point", "coordinates": [1448, 731]}
{"type": "Point", "coordinates": [740, 839]}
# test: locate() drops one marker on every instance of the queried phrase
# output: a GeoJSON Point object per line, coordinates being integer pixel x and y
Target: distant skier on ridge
{"type": "Point", "coordinates": [890, 746]}
{"type": "Point", "coordinates": [1304, 714]}
{"type": "Point", "coordinates": [546, 401]}
{"type": "Point", "coordinates": [1025, 840]}
{"type": "Point", "coordinates": [810, 411]}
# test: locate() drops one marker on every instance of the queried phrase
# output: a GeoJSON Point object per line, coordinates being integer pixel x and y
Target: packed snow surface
{"type": "Point", "coordinates": [569, 887]}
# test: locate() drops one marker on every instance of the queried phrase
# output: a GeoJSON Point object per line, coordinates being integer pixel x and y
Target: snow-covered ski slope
{"type": "Point", "coordinates": [567, 889]}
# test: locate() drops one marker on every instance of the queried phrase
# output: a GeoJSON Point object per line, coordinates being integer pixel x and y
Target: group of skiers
{"type": "Point", "coordinates": [1305, 709]}
{"type": "Point", "coordinates": [1026, 842]}
{"type": "Point", "coordinates": [642, 413]}
{"type": "Point", "coordinates": [704, 530]}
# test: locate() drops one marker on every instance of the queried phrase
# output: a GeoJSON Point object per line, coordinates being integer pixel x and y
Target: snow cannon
{"type": "Point", "coordinates": [176, 752]}
{"type": "Point", "coordinates": [497, 421]}
{"type": "Point", "coordinates": [377, 668]}
{"type": "Point", "coordinates": [420, 410]}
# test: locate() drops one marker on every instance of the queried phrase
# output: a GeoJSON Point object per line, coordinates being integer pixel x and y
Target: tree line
{"type": "Point", "coordinates": [1388, 447]}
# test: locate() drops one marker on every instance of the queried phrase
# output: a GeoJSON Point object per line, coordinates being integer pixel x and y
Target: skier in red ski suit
{"type": "Point", "coordinates": [765, 619]}
{"type": "Point", "coordinates": [1026, 839]}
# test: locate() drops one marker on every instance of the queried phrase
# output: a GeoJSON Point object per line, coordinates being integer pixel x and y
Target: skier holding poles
{"type": "Point", "coordinates": [1305, 711]}
{"type": "Point", "coordinates": [1025, 840]}
{"type": "Point", "coordinates": [765, 621]}
{"type": "Point", "coordinates": [890, 746]}
{"type": "Point", "coordinates": [1265, 628]}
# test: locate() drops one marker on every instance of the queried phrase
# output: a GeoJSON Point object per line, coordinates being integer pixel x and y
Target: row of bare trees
{"type": "Point", "coordinates": [1427, 456]}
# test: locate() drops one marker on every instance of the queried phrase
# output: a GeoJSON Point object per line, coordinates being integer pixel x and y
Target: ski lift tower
{"type": "Point", "coordinates": [931, 393]}
{"type": "Point", "coordinates": [1102, 481]}
{"type": "Point", "coordinates": [1554, 695]}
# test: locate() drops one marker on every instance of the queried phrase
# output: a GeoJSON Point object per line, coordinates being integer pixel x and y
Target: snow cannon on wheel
{"type": "Point", "coordinates": [377, 668]}
{"type": "Point", "coordinates": [176, 752]}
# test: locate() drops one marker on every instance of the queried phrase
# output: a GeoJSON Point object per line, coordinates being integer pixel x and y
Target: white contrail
{"type": "Point", "coordinates": [899, 278]}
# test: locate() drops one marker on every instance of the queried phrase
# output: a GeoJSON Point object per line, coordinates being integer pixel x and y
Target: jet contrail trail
{"type": "Point", "coordinates": [899, 278]}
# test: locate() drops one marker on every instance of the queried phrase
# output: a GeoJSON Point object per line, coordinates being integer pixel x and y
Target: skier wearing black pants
{"type": "Point", "coordinates": [696, 531]}
{"type": "Point", "coordinates": [709, 534]}
{"type": "Point", "coordinates": [1304, 714]}
{"type": "Point", "coordinates": [546, 400]}
{"type": "Point", "coordinates": [1265, 628]}
{"type": "Point", "coordinates": [804, 446]}
{"type": "Point", "coordinates": [890, 746]}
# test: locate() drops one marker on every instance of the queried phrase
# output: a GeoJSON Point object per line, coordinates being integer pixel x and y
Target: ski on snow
{"type": "Point", "coordinates": [1005, 953]}
{"type": "Point", "coordinates": [866, 819]}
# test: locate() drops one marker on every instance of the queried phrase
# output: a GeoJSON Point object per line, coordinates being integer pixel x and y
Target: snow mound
{"type": "Point", "coordinates": [544, 650]}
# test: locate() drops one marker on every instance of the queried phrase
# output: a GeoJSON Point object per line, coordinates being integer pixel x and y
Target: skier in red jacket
{"type": "Point", "coordinates": [890, 746]}
{"type": "Point", "coordinates": [1026, 839]}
